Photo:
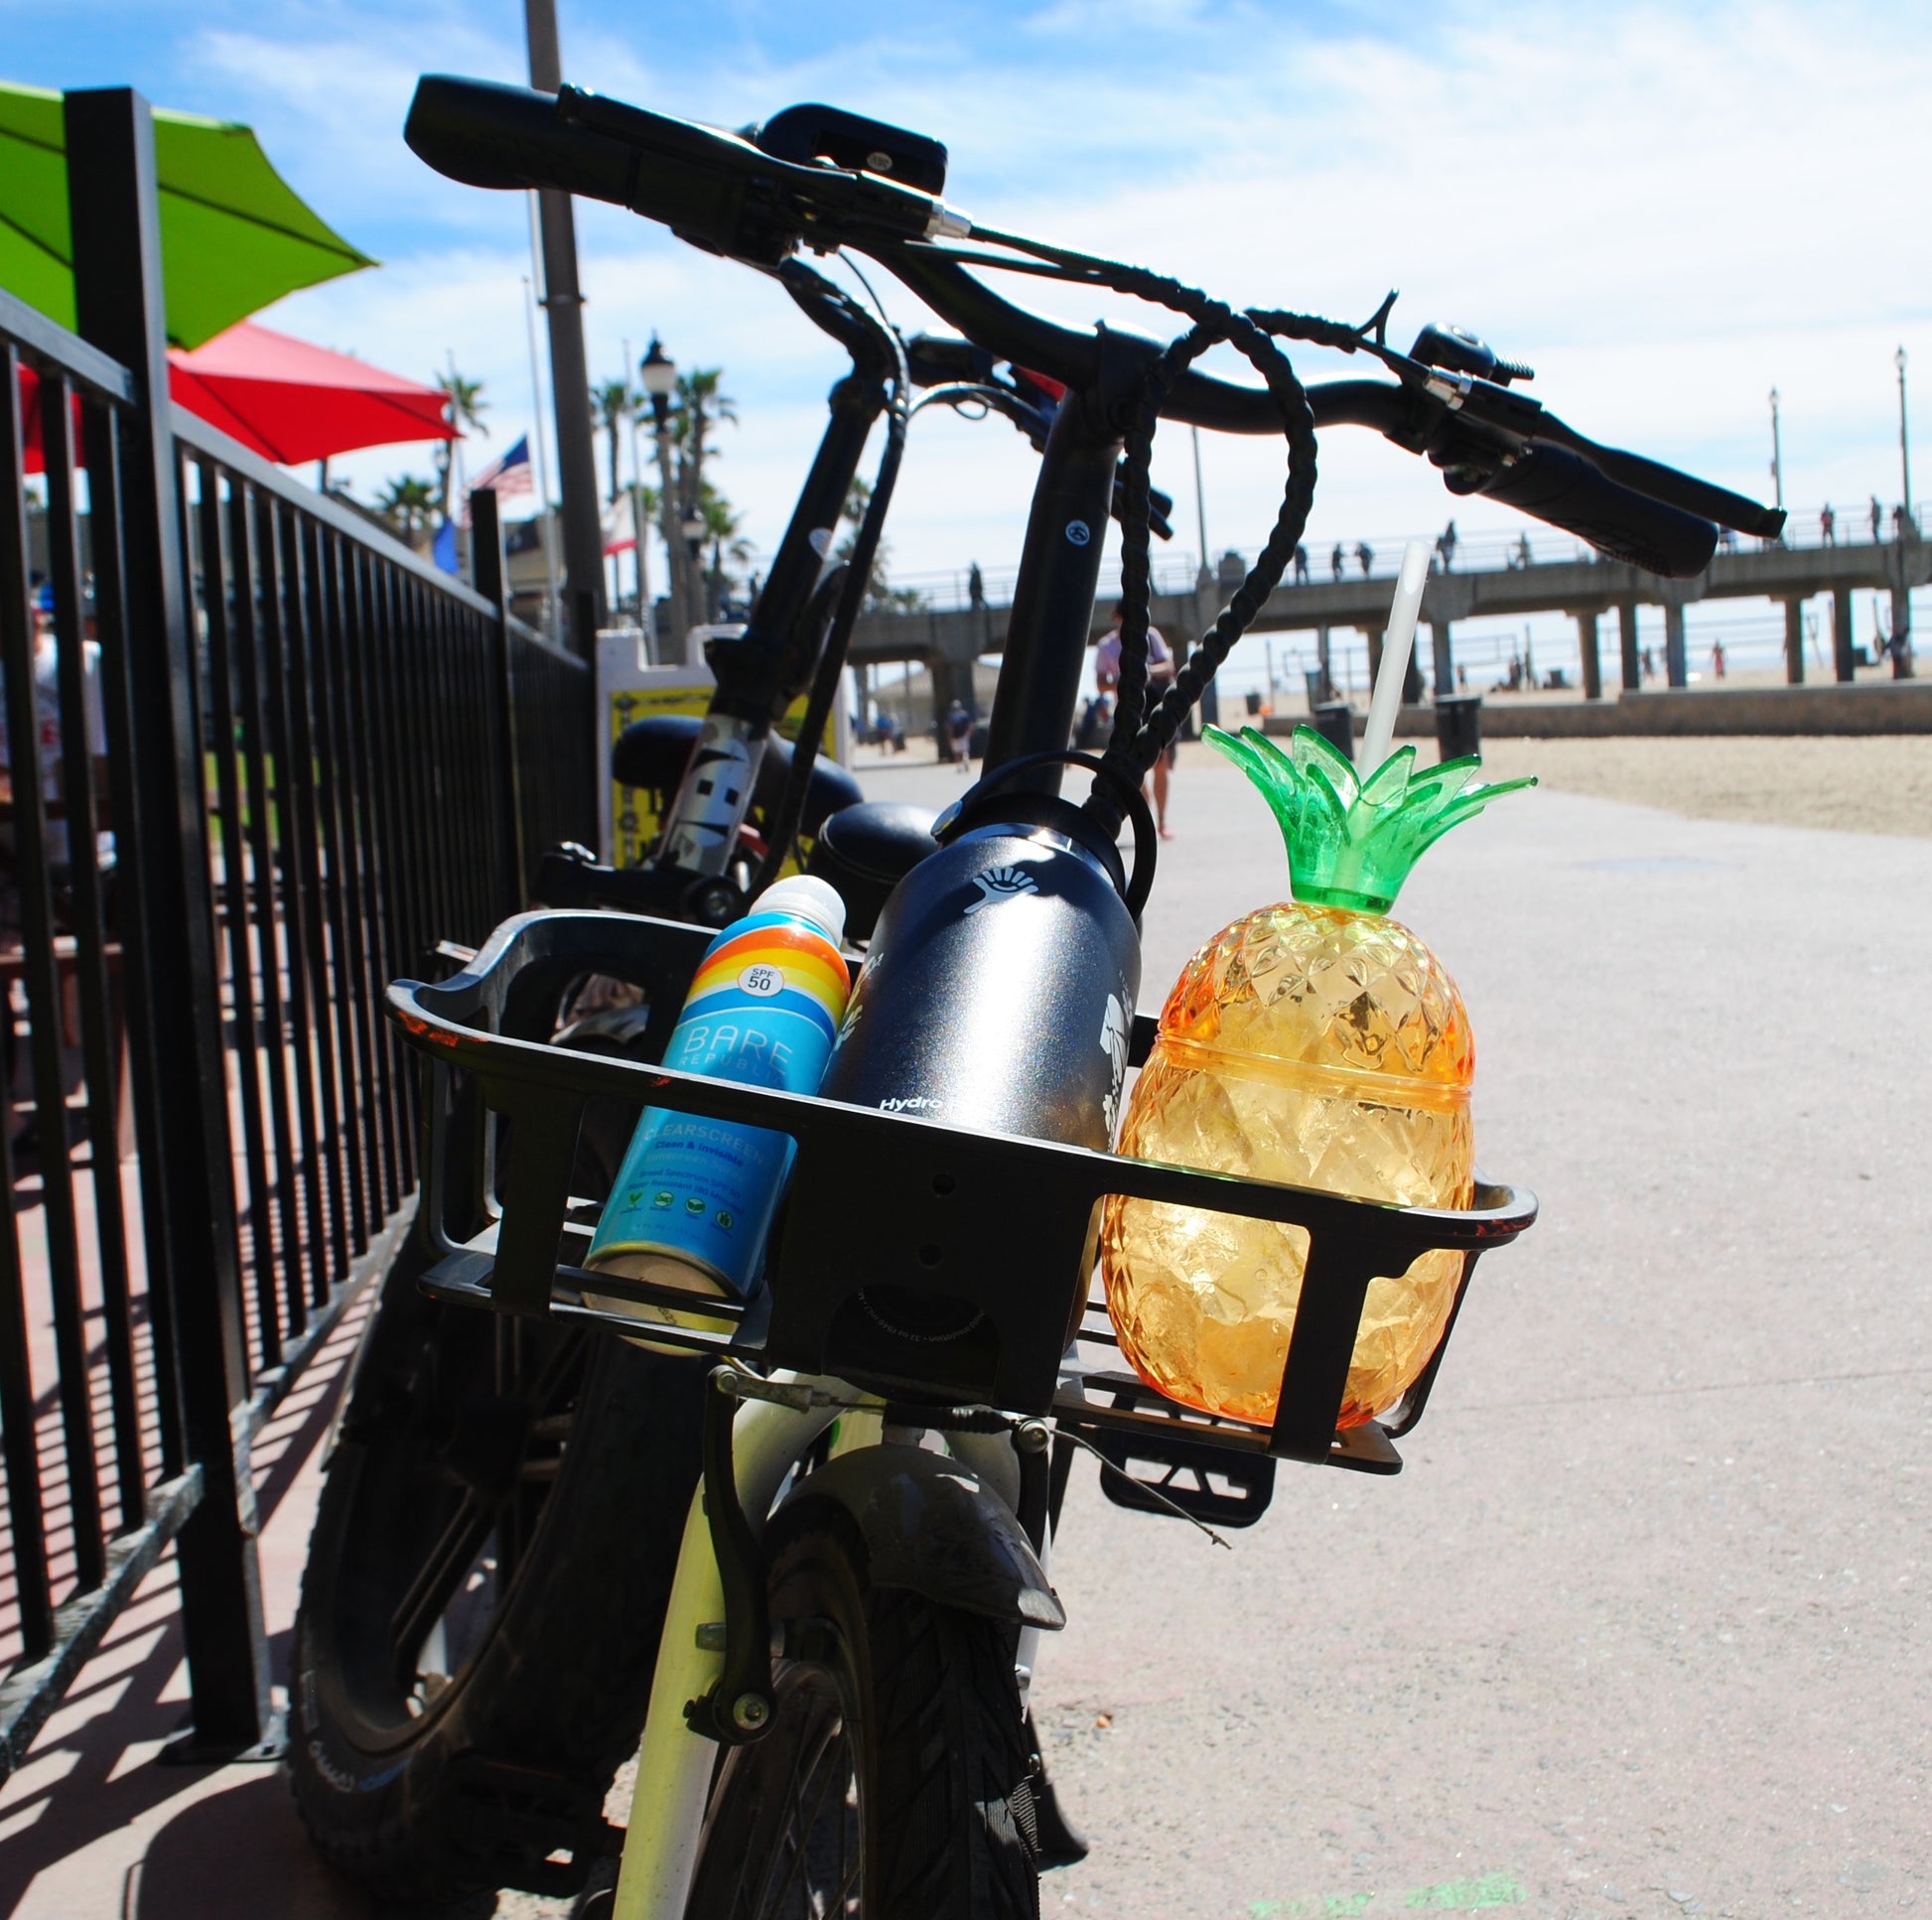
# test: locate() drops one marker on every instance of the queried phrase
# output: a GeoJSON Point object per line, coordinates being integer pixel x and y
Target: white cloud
{"type": "Point", "coordinates": [1668, 211]}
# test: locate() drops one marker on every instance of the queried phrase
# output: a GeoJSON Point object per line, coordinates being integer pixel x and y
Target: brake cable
{"type": "Point", "coordinates": [787, 816]}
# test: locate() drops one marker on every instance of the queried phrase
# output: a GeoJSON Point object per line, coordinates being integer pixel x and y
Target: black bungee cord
{"type": "Point", "coordinates": [1139, 737]}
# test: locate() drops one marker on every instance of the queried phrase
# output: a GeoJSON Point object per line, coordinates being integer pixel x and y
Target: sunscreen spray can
{"type": "Point", "coordinates": [694, 1199]}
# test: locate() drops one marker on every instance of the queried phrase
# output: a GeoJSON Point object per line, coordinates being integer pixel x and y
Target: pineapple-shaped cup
{"type": "Point", "coordinates": [1316, 1042]}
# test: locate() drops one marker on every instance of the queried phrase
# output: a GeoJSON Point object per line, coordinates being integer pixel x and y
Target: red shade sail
{"type": "Point", "coordinates": [287, 400]}
{"type": "Point", "coordinates": [290, 401]}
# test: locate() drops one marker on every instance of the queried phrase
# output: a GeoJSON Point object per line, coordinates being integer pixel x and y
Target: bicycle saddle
{"type": "Point", "coordinates": [866, 851]}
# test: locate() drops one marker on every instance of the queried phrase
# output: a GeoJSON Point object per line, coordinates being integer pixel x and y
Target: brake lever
{"type": "Point", "coordinates": [1523, 422]}
{"type": "Point", "coordinates": [821, 206]}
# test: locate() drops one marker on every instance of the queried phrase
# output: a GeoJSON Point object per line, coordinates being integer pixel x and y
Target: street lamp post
{"type": "Point", "coordinates": [692, 527]}
{"type": "Point", "coordinates": [1904, 439]}
{"type": "Point", "coordinates": [657, 375]}
{"type": "Point", "coordinates": [570, 383]}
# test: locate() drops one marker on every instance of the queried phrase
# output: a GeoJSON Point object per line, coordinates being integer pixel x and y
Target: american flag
{"type": "Point", "coordinates": [509, 475]}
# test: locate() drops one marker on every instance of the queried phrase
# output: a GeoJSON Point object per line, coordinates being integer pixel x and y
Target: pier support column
{"type": "Point", "coordinates": [1373, 636]}
{"type": "Point", "coordinates": [1592, 660]}
{"type": "Point", "coordinates": [1325, 659]}
{"type": "Point", "coordinates": [1438, 633]}
{"type": "Point", "coordinates": [952, 680]}
{"type": "Point", "coordinates": [1843, 660]}
{"type": "Point", "coordinates": [1794, 642]}
{"type": "Point", "coordinates": [1675, 667]}
{"type": "Point", "coordinates": [1901, 635]}
{"type": "Point", "coordinates": [1626, 622]}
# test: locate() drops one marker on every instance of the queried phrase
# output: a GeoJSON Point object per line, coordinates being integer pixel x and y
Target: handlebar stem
{"type": "Point", "coordinates": [1060, 567]}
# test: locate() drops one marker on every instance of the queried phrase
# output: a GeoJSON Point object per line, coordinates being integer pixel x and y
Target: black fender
{"type": "Point", "coordinates": [930, 1526]}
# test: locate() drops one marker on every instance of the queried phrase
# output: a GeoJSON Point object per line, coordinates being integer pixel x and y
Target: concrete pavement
{"type": "Point", "coordinates": [1641, 1629]}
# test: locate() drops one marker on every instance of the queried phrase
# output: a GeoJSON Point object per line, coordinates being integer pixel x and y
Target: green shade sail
{"type": "Point", "coordinates": [1351, 843]}
{"type": "Point", "coordinates": [234, 236]}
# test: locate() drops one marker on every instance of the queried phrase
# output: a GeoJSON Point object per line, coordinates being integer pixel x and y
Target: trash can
{"type": "Point", "coordinates": [1334, 721]}
{"type": "Point", "coordinates": [1458, 724]}
{"type": "Point", "coordinates": [1253, 701]}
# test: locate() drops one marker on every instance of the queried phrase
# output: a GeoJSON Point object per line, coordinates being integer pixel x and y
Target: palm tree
{"type": "Point", "coordinates": [612, 402]}
{"type": "Point", "coordinates": [406, 504]}
{"type": "Point", "coordinates": [696, 409]}
{"type": "Point", "coordinates": [464, 406]}
{"type": "Point", "coordinates": [724, 528]}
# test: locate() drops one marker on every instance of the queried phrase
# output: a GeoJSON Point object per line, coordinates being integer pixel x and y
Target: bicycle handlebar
{"type": "Point", "coordinates": [725, 193]}
{"type": "Point", "coordinates": [719, 190]}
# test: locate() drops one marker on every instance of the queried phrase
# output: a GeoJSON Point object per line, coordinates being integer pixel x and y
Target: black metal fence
{"type": "Point", "coordinates": [261, 760]}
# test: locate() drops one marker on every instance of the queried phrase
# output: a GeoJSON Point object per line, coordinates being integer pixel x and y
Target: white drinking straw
{"type": "Point", "coordinates": [1397, 643]}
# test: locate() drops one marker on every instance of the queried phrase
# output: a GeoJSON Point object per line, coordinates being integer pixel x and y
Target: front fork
{"type": "Point", "coordinates": [676, 1762]}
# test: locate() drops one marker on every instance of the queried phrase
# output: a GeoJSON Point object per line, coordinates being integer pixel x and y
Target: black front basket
{"type": "Point", "coordinates": [989, 1232]}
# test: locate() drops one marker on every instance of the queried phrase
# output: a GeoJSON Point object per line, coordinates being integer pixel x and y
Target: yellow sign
{"type": "Point", "coordinates": [634, 818]}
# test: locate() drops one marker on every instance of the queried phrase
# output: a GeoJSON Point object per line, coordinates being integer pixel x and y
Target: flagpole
{"type": "Point", "coordinates": [543, 462]}
{"type": "Point", "coordinates": [460, 494]}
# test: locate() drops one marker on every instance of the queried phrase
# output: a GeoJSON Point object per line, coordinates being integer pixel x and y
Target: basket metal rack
{"type": "Point", "coordinates": [1000, 1226]}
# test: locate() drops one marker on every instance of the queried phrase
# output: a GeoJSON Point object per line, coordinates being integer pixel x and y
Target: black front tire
{"type": "Point", "coordinates": [895, 1782]}
{"type": "Point", "coordinates": [491, 1558]}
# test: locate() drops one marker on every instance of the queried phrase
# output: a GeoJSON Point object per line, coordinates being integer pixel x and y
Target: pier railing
{"type": "Point", "coordinates": [260, 758]}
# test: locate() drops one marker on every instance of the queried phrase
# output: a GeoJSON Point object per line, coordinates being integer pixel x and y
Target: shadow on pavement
{"type": "Point", "coordinates": [91, 1827]}
{"type": "Point", "coordinates": [242, 1854]}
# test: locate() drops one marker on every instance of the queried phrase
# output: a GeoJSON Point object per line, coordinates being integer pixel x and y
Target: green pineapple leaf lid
{"type": "Point", "coordinates": [1351, 843]}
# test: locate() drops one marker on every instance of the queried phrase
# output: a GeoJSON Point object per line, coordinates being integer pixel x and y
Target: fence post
{"type": "Point", "coordinates": [486, 568]}
{"type": "Point", "coordinates": [175, 1015]}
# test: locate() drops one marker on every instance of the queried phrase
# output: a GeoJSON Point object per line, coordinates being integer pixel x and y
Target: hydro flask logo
{"type": "Point", "coordinates": [998, 884]}
{"type": "Point", "coordinates": [1113, 1043]}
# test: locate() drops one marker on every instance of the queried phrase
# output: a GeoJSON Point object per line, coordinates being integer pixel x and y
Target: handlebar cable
{"type": "Point", "coordinates": [824, 692]}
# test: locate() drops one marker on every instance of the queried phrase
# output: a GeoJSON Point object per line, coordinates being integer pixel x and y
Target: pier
{"type": "Point", "coordinates": [1603, 598]}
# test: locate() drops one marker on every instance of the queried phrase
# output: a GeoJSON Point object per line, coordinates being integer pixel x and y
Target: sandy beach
{"type": "Point", "coordinates": [1875, 784]}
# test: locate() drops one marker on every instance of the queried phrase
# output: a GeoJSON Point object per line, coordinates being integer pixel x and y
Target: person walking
{"type": "Point", "coordinates": [1336, 560]}
{"type": "Point", "coordinates": [1878, 520]}
{"type": "Point", "coordinates": [1300, 566]}
{"type": "Point", "coordinates": [1445, 546]}
{"type": "Point", "coordinates": [1366, 557]}
{"type": "Point", "coordinates": [1717, 659]}
{"type": "Point", "coordinates": [959, 730]}
{"type": "Point", "coordinates": [1828, 524]}
{"type": "Point", "coordinates": [1160, 677]}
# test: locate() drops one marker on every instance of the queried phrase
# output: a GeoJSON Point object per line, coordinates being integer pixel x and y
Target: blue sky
{"type": "Point", "coordinates": [1666, 209]}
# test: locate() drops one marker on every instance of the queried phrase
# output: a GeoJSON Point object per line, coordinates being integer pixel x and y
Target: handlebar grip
{"type": "Point", "coordinates": [484, 134]}
{"type": "Point", "coordinates": [1566, 490]}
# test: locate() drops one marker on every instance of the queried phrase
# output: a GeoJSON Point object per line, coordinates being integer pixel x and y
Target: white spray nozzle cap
{"type": "Point", "coordinates": [807, 898]}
